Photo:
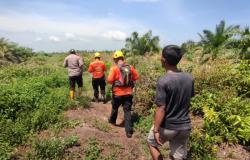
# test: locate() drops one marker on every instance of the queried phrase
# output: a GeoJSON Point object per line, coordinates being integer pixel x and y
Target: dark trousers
{"type": "Point", "coordinates": [126, 102]}
{"type": "Point", "coordinates": [75, 79]}
{"type": "Point", "coordinates": [96, 82]}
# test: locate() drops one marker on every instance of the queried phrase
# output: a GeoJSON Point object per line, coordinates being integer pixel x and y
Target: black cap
{"type": "Point", "coordinates": [72, 51]}
{"type": "Point", "coordinates": [172, 54]}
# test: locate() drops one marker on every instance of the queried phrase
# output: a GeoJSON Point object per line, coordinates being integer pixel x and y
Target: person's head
{"type": "Point", "coordinates": [171, 55]}
{"type": "Point", "coordinates": [97, 55]}
{"type": "Point", "coordinates": [118, 55]}
{"type": "Point", "coordinates": [72, 51]}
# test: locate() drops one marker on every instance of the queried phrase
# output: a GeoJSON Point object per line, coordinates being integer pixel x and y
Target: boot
{"type": "Point", "coordinates": [80, 91]}
{"type": "Point", "coordinates": [103, 97]}
{"type": "Point", "coordinates": [71, 94]}
{"type": "Point", "coordinates": [96, 97]}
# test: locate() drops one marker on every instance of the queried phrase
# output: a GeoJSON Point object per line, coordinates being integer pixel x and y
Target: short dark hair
{"type": "Point", "coordinates": [172, 54]}
{"type": "Point", "coordinates": [119, 58]}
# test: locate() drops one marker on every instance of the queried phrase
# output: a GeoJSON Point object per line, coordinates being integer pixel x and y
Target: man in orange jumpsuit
{"type": "Point", "coordinates": [98, 68]}
{"type": "Point", "coordinates": [122, 77]}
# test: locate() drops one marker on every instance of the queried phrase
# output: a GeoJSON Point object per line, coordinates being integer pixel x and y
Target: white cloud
{"type": "Point", "coordinates": [84, 39]}
{"type": "Point", "coordinates": [70, 36]}
{"type": "Point", "coordinates": [38, 39]}
{"type": "Point", "coordinates": [87, 32]}
{"type": "Point", "coordinates": [115, 35]}
{"type": "Point", "coordinates": [140, 0]}
{"type": "Point", "coordinates": [81, 26]}
{"type": "Point", "coordinates": [54, 39]}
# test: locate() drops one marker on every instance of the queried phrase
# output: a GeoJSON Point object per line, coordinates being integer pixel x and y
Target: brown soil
{"type": "Point", "coordinates": [112, 139]}
{"type": "Point", "coordinates": [129, 148]}
{"type": "Point", "coordinates": [232, 152]}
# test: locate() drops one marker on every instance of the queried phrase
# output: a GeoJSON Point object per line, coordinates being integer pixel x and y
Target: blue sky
{"type": "Point", "coordinates": [58, 25]}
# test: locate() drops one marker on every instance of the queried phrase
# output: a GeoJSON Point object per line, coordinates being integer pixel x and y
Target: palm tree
{"type": "Point", "coordinates": [12, 52]}
{"type": "Point", "coordinates": [244, 43]}
{"type": "Point", "coordinates": [241, 43]}
{"type": "Point", "coordinates": [137, 45]}
{"type": "Point", "coordinates": [3, 47]}
{"type": "Point", "coordinates": [213, 42]}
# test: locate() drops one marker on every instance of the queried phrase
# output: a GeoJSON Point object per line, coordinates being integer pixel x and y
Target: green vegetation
{"type": "Point", "coordinates": [137, 45]}
{"type": "Point", "coordinates": [32, 97]}
{"type": "Point", "coordinates": [53, 148]}
{"type": "Point", "coordinates": [214, 43]}
{"type": "Point", "coordinates": [102, 126]}
{"type": "Point", "coordinates": [12, 53]}
{"type": "Point", "coordinates": [34, 93]}
{"type": "Point", "coordinates": [222, 85]}
{"type": "Point", "coordinates": [93, 150]}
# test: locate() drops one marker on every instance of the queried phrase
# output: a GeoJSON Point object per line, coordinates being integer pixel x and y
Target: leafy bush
{"type": "Point", "coordinates": [222, 100]}
{"type": "Point", "coordinates": [202, 146]}
{"type": "Point", "coordinates": [11, 52]}
{"type": "Point", "coordinates": [31, 99]}
{"type": "Point", "coordinates": [144, 90]}
{"type": "Point", "coordinates": [223, 103]}
{"type": "Point", "coordinates": [53, 148]}
{"type": "Point", "coordinates": [144, 124]}
{"type": "Point", "coordinates": [5, 149]}
{"type": "Point", "coordinates": [93, 150]}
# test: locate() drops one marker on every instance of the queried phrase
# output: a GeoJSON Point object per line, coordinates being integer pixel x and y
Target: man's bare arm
{"type": "Point", "coordinates": [159, 115]}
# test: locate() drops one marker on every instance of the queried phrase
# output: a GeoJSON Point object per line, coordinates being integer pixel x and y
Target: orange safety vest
{"type": "Point", "coordinates": [97, 68]}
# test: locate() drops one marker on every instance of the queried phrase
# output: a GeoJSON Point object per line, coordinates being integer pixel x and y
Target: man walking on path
{"type": "Point", "coordinates": [122, 77]}
{"type": "Point", "coordinates": [98, 68]}
{"type": "Point", "coordinates": [171, 122]}
{"type": "Point", "coordinates": [74, 64]}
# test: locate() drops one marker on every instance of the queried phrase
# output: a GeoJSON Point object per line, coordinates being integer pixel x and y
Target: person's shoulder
{"type": "Point", "coordinates": [78, 56]}
{"type": "Point", "coordinates": [92, 63]}
{"type": "Point", "coordinates": [67, 57]}
{"type": "Point", "coordinates": [188, 75]}
{"type": "Point", "coordinates": [102, 62]}
{"type": "Point", "coordinates": [114, 67]}
{"type": "Point", "coordinates": [131, 66]}
{"type": "Point", "coordinates": [163, 80]}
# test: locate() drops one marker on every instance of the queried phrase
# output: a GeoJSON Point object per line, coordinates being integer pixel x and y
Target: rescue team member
{"type": "Point", "coordinates": [173, 93]}
{"type": "Point", "coordinates": [74, 64]}
{"type": "Point", "coordinates": [98, 68]}
{"type": "Point", "coordinates": [122, 76]}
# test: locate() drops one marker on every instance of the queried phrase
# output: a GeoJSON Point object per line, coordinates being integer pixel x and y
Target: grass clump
{"type": "Point", "coordinates": [93, 150]}
{"type": "Point", "coordinates": [101, 125]}
{"type": "Point", "coordinates": [53, 148]}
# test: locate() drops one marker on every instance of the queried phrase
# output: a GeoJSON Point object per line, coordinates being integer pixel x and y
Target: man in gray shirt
{"type": "Point", "coordinates": [173, 93]}
{"type": "Point", "coordinates": [74, 64]}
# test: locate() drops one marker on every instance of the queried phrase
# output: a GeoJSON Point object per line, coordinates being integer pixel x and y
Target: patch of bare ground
{"type": "Point", "coordinates": [112, 143]}
{"type": "Point", "coordinates": [112, 139]}
{"type": "Point", "coordinates": [232, 152]}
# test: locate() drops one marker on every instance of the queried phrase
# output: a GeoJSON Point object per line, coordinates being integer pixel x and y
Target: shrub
{"type": "Point", "coordinates": [53, 148]}
{"type": "Point", "coordinates": [31, 99]}
{"type": "Point", "coordinates": [93, 150]}
{"type": "Point", "coordinates": [201, 146]}
{"type": "Point", "coordinates": [5, 149]}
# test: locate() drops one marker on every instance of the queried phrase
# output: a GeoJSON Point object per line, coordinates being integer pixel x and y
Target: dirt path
{"type": "Point", "coordinates": [111, 139]}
